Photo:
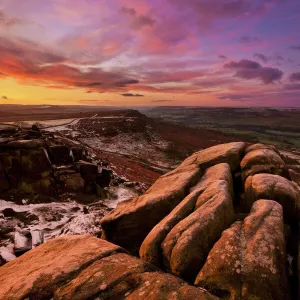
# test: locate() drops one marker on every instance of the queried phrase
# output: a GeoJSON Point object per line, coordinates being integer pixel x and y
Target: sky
{"type": "Point", "coordinates": [150, 52]}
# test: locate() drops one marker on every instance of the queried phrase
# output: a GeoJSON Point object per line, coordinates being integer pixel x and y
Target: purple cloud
{"type": "Point", "coordinates": [243, 64]}
{"type": "Point", "coordinates": [249, 40]}
{"type": "Point", "coordinates": [132, 95]}
{"type": "Point", "coordinates": [236, 97]}
{"type": "Point", "coordinates": [295, 77]}
{"type": "Point", "coordinates": [295, 47]}
{"type": "Point", "coordinates": [247, 69]}
{"type": "Point", "coordinates": [261, 57]}
{"type": "Point", "coordinates": [292, 86]}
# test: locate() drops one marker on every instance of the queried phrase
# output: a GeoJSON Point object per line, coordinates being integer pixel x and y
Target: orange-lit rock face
{"type": "Point", "coordinates": [84, 267]}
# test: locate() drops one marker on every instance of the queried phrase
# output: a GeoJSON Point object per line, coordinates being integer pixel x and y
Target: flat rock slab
{"type": "Point", "coordinates": [248, 262]}
{"type": "Point", "coordinates": [84, 267]}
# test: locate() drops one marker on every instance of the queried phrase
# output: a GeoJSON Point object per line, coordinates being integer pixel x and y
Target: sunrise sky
{"type": "Point", "coordinates": [150, 52]}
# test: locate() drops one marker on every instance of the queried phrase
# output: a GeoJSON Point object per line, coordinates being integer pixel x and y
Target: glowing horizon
{"type": "Point", "coordinates": [150, 52]}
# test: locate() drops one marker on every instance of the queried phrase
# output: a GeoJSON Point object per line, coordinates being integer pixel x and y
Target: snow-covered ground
{"type": "Point", "coordinates": [46, 221]}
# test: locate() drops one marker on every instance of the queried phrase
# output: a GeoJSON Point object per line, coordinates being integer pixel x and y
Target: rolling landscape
{"type": "Point", "coordinates": [149, 150]}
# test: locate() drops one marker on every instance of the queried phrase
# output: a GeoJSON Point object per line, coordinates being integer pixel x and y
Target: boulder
{"type": "Point", "coordinates": [273, 187]}
{"type": "Point", "coordinates": [150, 250]}
{"type": "Point", "coordinates": [37, 238]}
{"type": "Point", "coordinates": [262, 161]}
{"type": "Point", "coordinates": [230, 153]}
{"type": "Point", "coordinates": [248, 261]}
{"type": "Point", "coordinates": [88, 171]}
{"type": "Point", "coordinates": [45, 186]}
{"type": "Point", "coordinates": [129, 223]}
{"type": "Point", "coordinates": [26, 144]}
{"type": "Point", "coordinates": [23, 242]}
{"type": "Point", "coordinates": [29, 170]}
{"type": "Point", "coordinates": [187, 245]}
{"type": "Point", "coordinates": [35, 164]}
{"type": "Point", "coordinates": [220, 171]}
{"type": "Point", "coordinates": [72, 183]}
{"type": "Point", "coordinates": [60, 155]}
{"type": "Point", "coordinates": [259, 147]}
{"type": "Point", "coordinates": [104, 178]}
{"type": "Point", "coordinates": [84, 267]}
{"type": "Point", "coordinates": [37, 273]}
{"type": "Point", "coordinates": [28, 163]}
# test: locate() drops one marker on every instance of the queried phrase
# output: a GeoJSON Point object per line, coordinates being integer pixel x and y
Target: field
{"type": "Point", "coordinates": [280, 127]}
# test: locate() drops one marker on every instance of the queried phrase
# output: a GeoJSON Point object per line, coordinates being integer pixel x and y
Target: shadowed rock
{"type": "Point", "coordinates": [88, 171]}
{"type": "Point", "coordinates": [186, 246]}
{"type": "Point", "coordinates": [151, 250]}
{"type": "Point", "coordinates": [60, 155]}
{"type": "Point", "coordinates": [248, 262]}
{"type": "Point", "coordinates": [4, 184]}
{"type": "Point", "coordinates": [29, 170]}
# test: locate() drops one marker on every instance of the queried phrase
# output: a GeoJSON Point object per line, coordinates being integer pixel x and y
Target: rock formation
{"type": "Point", "coordinates": [226, 220]}
{"type": "Point", "coordinates": [84, 267]}
{"type": "Point", "coordinates": [129, 224]}
{"type": "Point", "coordinates": [248, 261]}
{"type": "Point", "coordinates": [232, 227]}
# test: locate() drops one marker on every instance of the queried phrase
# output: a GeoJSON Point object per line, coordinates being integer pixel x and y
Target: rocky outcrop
{"type": "Point", "coordinates": [186, 246]}
{"type": "Point", "coordinates": [193, 238]}
{"type": "Point", "coordinates": [129, 224]}
{"type": "Point", "coordinates": [29, 170]}
{"type": "Point", "coordinates": [201, 222]}
{"type": "Point", "coordinates": [262, 161]}
{"type": "Point", "coordinates": [45, 166]}
{"type": "Point", "coordinates": [84, 267]}
{"type": "Point", "coordinates": [151, 250]}
{"type": "Point", "coordinates": [248, 262]}
{"type": "Point", "coordinates": [274, 187]}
